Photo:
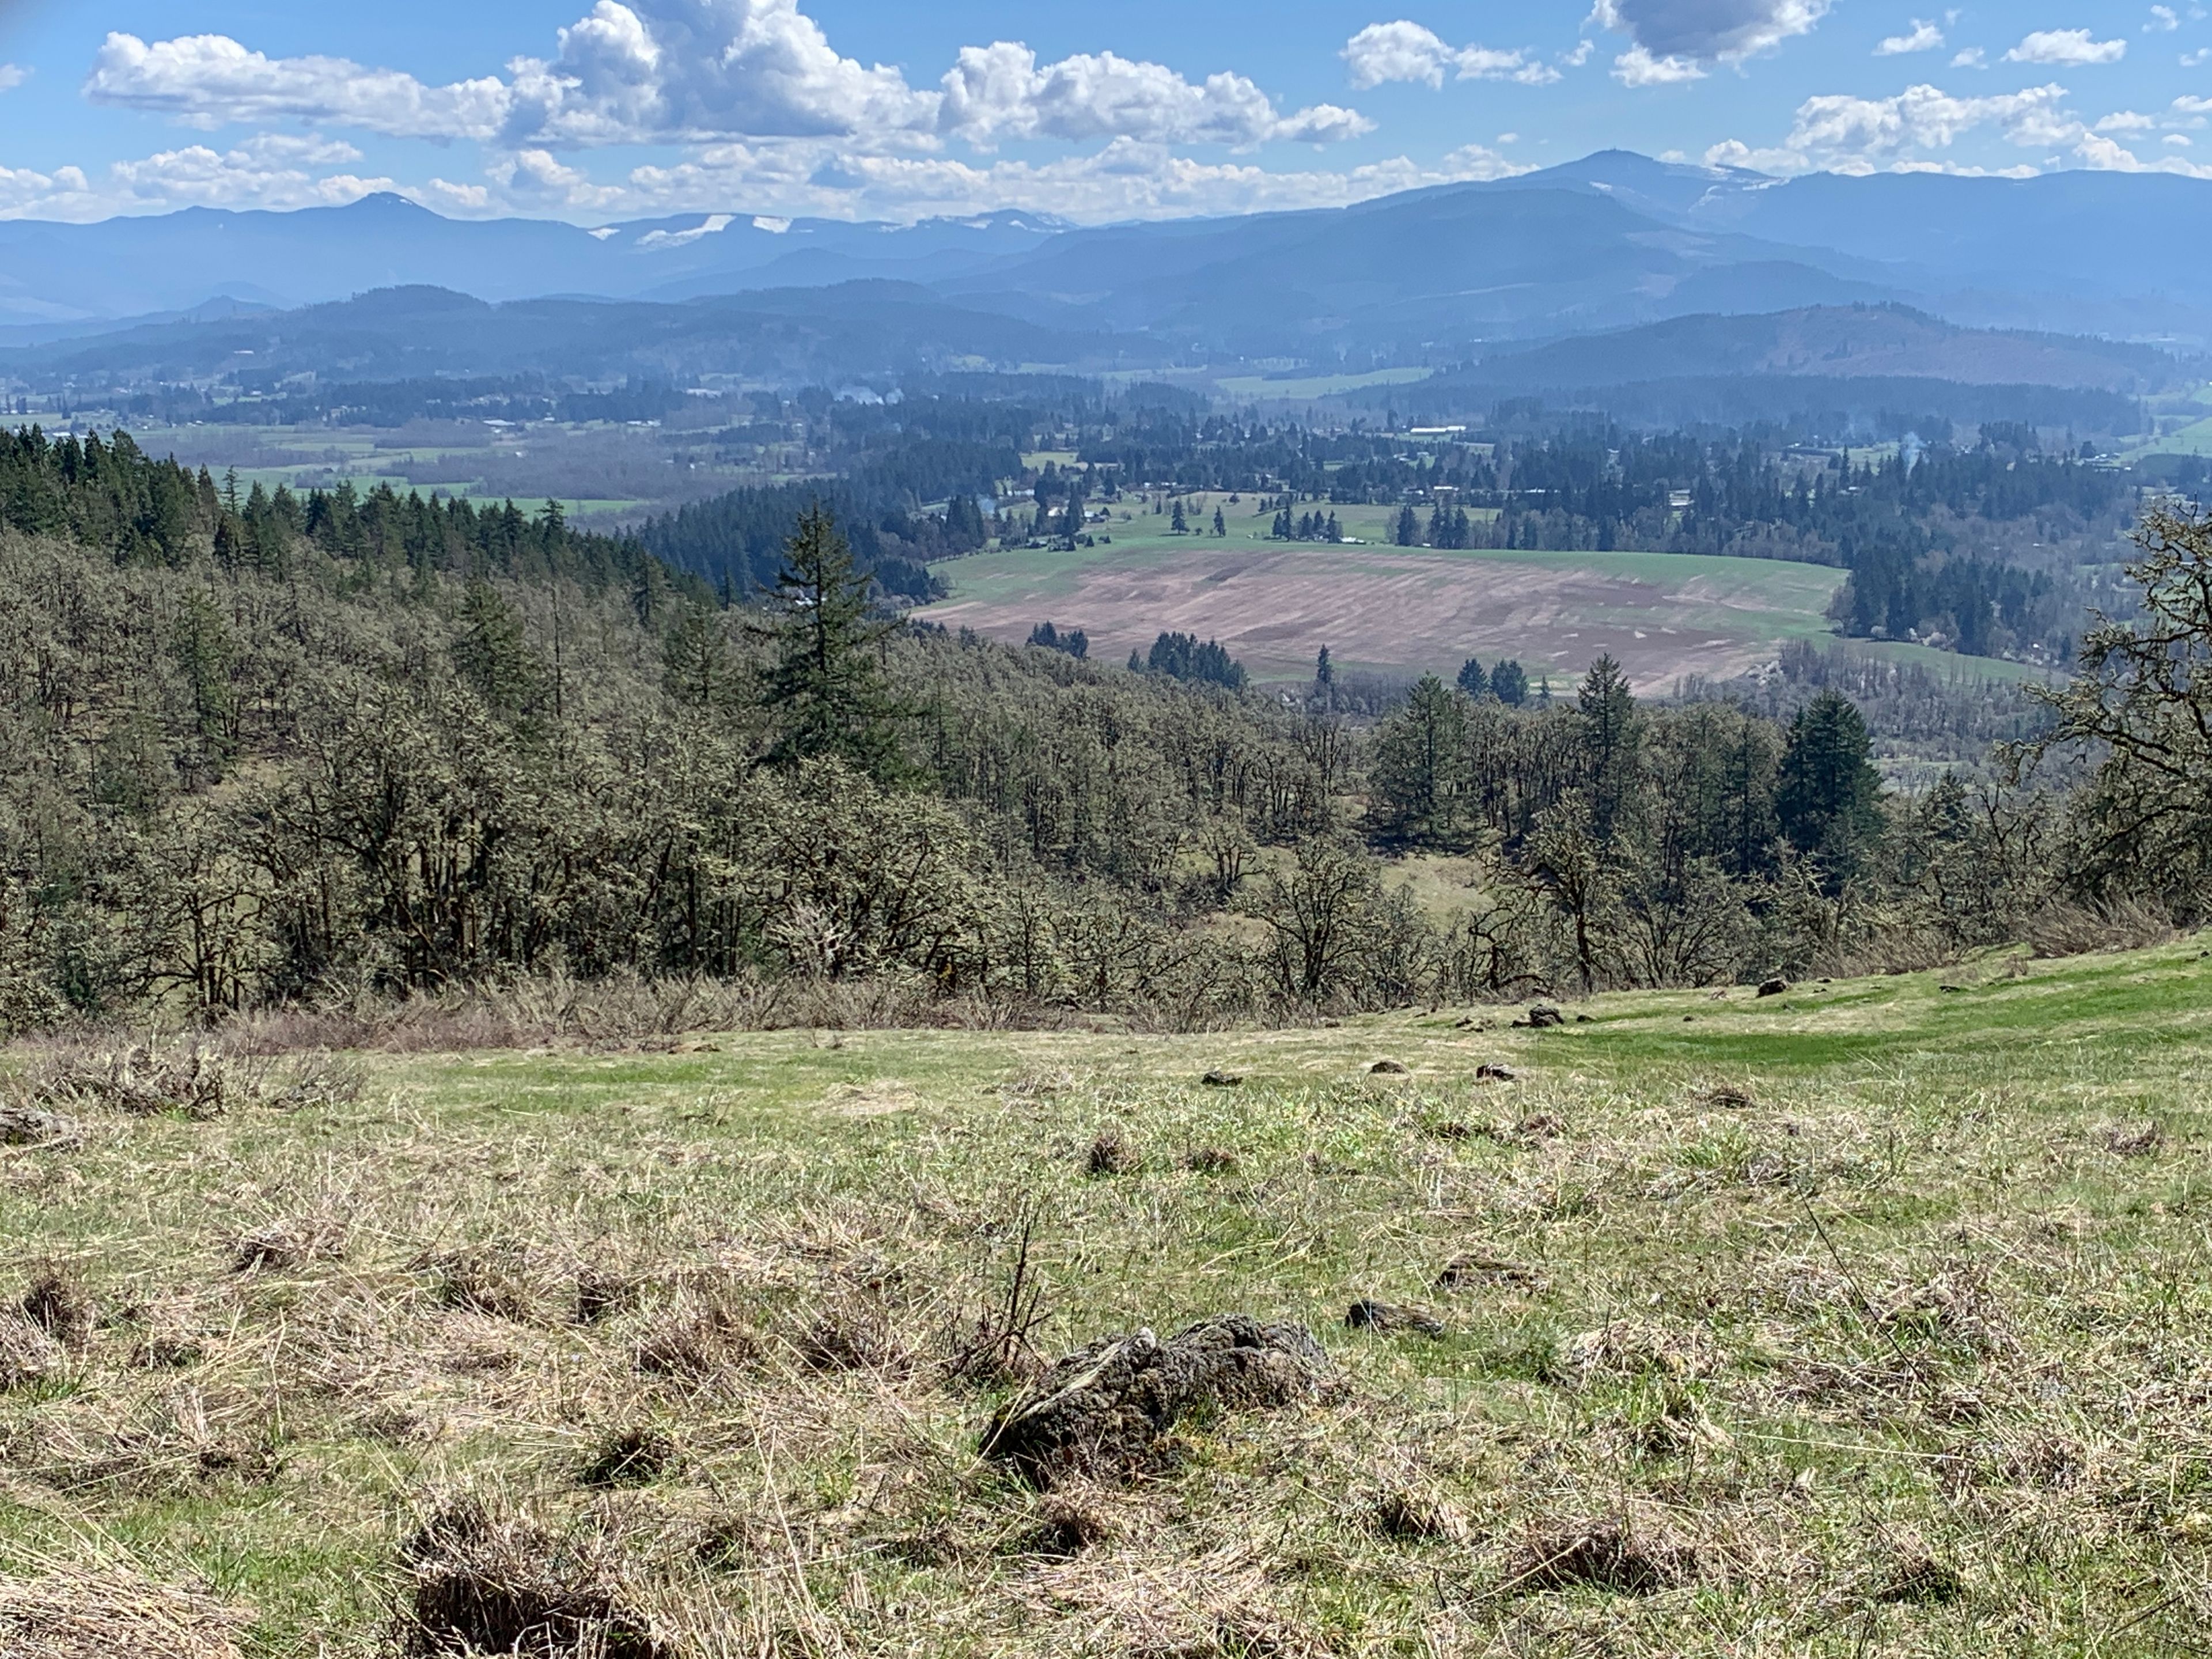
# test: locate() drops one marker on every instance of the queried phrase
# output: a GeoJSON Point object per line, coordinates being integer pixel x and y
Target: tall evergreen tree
{"type": "Point", "coordinates": [1827, 796]}
{"type": "Point", "coordinates": [1473, 680]}
{"type": "Point", "coordinates": [491, 654]}
{"type": "Point", "coordinates": [1420, 765]}
{"type": "Point", "coordinates": [1408, 531]}
{"type": "Point", "coordinates": [1509, 684]}
{"type": "Point", "coordinates": [1608, 737]}
{"type": "Point", "coordinates": [825, 683]}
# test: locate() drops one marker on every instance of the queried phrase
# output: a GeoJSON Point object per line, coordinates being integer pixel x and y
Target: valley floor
{"type": "Point", "coordinates": [1869, 1318]}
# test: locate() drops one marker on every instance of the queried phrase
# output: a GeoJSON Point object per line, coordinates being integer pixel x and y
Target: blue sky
{"type": "Point", "coordinates": [601, 110]}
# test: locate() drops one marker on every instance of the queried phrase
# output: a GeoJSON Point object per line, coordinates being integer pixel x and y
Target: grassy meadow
{"type": "Point", "coordinates": [1867, 1318]}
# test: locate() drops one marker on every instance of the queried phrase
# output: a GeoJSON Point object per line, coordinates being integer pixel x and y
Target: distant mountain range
{"type": "Point", "coordinates": [1612, 240]}
{"type": "Point", "coordinates": [1612, 271]}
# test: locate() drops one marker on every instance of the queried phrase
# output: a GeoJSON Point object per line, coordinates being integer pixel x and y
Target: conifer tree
{"type": "Point", "coordinates": [1827, 794]}
{"type": "Point", "coordinates": [1473, 680]}
{"type": "Point", "coordinates": [825, 684]}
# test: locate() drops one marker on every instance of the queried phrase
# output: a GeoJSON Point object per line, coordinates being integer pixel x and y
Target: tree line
{"type": "Point", "coordinates": [337, 772]}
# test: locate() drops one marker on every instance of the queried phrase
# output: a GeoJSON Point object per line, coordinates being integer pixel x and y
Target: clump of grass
{"type": "Point", "coordinates": [628, 1457]}
{"type": "Point", "coordinates": [56, 1305]}
{"type": "Point", "coordinates": [112, 1612]}
{"type": "Point", "coordinates": [696, 1344]}
{"type": "Point", "coordinates": [479, 1582]}
{"type": "Point", "coordinates": [286, 1245]}
{"type": "Point", "coordinates": [1607, 1555]}
{"type": "Point", "coordinates": [1111, 1153]}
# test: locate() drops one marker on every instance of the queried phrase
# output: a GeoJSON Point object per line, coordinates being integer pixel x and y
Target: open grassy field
{"type": "Point", "coordinates": [1662, 616]}
{"type": "Point", "coordinates": [1871, 1318]}
{"type": "Point", "coordinates": [1275, 604]}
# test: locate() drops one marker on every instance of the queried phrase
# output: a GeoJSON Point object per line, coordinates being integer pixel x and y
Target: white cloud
{"type": "Point", "coordinates": [1407, 52]}
{"type": "Point", "coordinates": [2195, 59]}
{"type": "Point", "coordinates": [12, 76]}
{"type": "Point", "coordinates": [1000, 92]}
{"type": "Point", "coordinates": [1125, 179]}
{"type": "Point", "coordinates": [707, 71]}
{"type": "Point", "coordinates": [1670, 38]}
{"type": "Point", "coordinates": [2127, 120]}
{"type": "Point", "coordinates": [279, 171]}
{"type": "Point", "coordinates": [2105, 154]}
{"type": "Point", "coordinates": [1846, 134]}
{"type": "Point", "coordinates": [2164, 20]}
{"type": "Point", "coordinates": [210, 80]}
{"type": "Point", "coordinates": [1637, 67]}
{"type": "Point", "coordinates": [2066, 49]}
{"type": "Point", "coordinates": [696, 70]}
{"type": "Point", "coordinates": [1971, 57]}
{"type": "Point", "coordinates": [1925, 37]}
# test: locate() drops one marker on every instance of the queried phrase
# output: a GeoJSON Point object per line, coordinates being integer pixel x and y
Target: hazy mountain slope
{"type": "Point", "coordinates": [1847, 342]}
{"type": "Point", "coordinates": [2126, 254]}
{"type": "Point", "coordinates": [126, 268]}
{"type": "Point", "coordinates": [1457, 264]}
{"type": "Point", "coordinates": [795, 335]}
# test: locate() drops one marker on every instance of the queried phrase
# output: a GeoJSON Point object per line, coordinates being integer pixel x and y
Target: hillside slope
{"type": "Point", "coordinates": [1864, 1309]}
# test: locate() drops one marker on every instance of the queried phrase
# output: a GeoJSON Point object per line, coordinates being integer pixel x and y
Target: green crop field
{"type": "Point", "coordinates": [1869, 1318]}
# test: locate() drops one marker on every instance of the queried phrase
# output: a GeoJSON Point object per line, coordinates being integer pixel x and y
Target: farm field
{"type": "Point", "coordinates": [1869, 1318]}
{"type": "Point", "coordinates": [1274, 605]}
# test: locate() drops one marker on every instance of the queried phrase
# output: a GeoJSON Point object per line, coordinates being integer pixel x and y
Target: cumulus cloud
{"type": "Point", "coordinates": [702, 72]}
{"type": "Point", "coordinates": [1000, 92]}
{"type": "Point", "coordinates": [2066, 49]}
{"type": "Point", "coordinates": [1674, 40]}
{"type": "Point", "coordinates": [210, 80]}
{"type": "Point", "coordinates": [272, 170]}
{"type": "Point", "coordinates": [1846, 134]}
{"type": "Point", "coordinates": [1124, 179]}
{"type": "Point", "coordinates": [2164, 20]}
{"type": "Point", "coordinates": [1407, 52]}
{"type": "Point", "coordinates": [12, 76]}
{"type": "Point", "coordinates": [1636, 67]}
{"type": "Point", "coordinates": [695, 70]}
{"type": "Point", "coordinates": [1923, 36]}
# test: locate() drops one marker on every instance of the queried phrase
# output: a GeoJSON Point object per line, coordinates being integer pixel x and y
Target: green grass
{"type": "Point", "coordinates": [1924, 1295]}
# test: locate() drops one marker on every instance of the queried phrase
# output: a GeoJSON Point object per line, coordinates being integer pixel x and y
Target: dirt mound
{"type": "Point", "coordinates": [1102, 1412]}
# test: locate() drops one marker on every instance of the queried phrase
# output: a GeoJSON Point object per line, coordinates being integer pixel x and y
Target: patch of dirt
{"type": "Point", "coordinates": [1103, 1411]}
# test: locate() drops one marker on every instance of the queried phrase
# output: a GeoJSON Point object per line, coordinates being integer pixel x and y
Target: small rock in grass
{"type": "Point", "coordinates": [1385, 1319]}
{"type": "Point", "coordinates": [1388, 1068]}
{"type": "Point", "coordinates": [1543, 1017]}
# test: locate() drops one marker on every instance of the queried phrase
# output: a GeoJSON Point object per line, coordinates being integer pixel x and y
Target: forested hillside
{"type": "Point", "coordinates": [275, 749]}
